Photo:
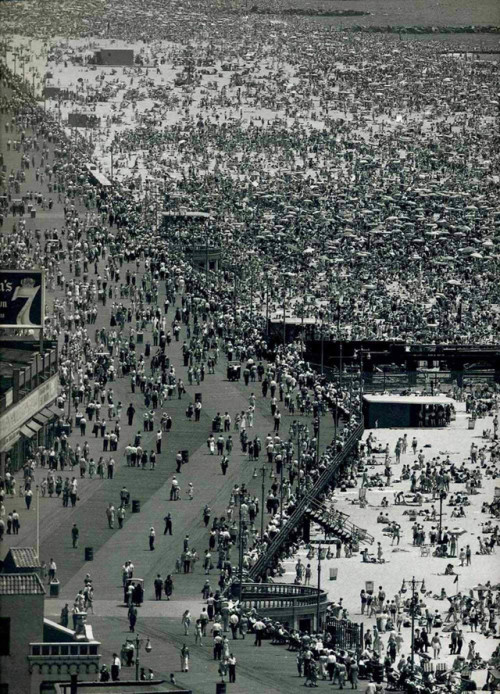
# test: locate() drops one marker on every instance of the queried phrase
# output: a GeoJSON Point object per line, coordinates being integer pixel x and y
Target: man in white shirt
{"type": "Point", "coordinates": [116, 666]}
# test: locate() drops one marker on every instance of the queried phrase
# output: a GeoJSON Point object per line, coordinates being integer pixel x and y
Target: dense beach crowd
{"type": "Point", "coordinates": [362, 194]}
{"type": "Point", "coordinates": [376, 156]}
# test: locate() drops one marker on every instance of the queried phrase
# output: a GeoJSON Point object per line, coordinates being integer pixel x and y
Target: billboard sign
{"type": "Point", "coordinates": [22, 299]}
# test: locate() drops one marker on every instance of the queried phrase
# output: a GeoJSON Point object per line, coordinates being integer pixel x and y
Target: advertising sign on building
{"type": "Point", "coordinates": [14, 418]}
{"type": "Point", "coordinates": [22, 299]}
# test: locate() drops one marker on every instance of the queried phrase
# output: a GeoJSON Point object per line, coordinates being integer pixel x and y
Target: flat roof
{"type": "Point", "coordinates": [409, 399]}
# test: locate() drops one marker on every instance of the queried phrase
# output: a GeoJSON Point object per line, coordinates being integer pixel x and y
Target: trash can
{"type": "Point", "coordinates": [136, 506]}
{"type": "Point", "coordinates": [89, 554]}
{"type": "Point", "coordinates": [185, 456]}
{"type": "Point", "coordinates": [333, 573]}
{"type": "Point", "coordinates": [198, 397]}
{"type": "Point", "coordinates": [33, 214]}
{"type": "Point", "coordinates": [378, 673]}
{"type": "Point", "coordinates": [54, 588]}
{"type": "Point", "coordinates": [471, 423]}
{"type": "Point", "coordinates": [140, 338]}
{"type": "Point", "coordinates": [220, 688]}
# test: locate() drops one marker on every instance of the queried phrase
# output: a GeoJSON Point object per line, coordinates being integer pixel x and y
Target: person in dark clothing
{"type": "Point", "coordinates": [132, 617]}
{"type": "Point", "coordinates": [158, 586]}
{"type": "Point", "coordinates": [130, 414]}
{"type": "Point", "coordinates": [74, 535]}
{"type": "Point", "coordinates": [168, 524]}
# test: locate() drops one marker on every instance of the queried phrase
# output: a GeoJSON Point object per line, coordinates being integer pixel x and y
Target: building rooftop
{"type": "Point", "coordinates": [17, 354]}
{"type": "Point", "coordinates": [22, 558]}
{"type": "Point", "coordinates": [123, 687]}
{"type": "Point", "coordinates": [21, 584]}
{"type": "Point", "coordinates": [410, 399]}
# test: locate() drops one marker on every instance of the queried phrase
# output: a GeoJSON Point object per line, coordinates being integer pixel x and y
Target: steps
{"type": "Point", "coordinates": [292, 523]}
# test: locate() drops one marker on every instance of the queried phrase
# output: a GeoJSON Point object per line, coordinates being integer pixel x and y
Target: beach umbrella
{"type": "Point", "coordinates": [457, 531]}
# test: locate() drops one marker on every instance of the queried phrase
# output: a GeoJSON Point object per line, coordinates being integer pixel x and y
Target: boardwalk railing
{"type": "Point", "coordinates": [338, 524]}
{"type": "Point", "coordinates": [266, 559]}
{"type": "Point", "coordinates": [275, 596]}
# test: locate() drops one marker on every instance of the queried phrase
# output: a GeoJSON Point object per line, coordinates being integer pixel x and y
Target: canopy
{"type": "Point", "coordinates": [409, 399]}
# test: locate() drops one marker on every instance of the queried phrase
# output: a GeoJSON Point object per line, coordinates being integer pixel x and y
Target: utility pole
{"type": "Point", "coordinates": [284, 319]}
{"type": "Point", "coordinates": [38, 522]}
{"type": "Point", "coordinates": [322, 348]}
{"type": "Point", "coordinates": [442, 496]}
{"type": "Point", "coordinates": [234, 299]}
{"type": "Point", "coordinates": [281, 491]}
{"type": "Point", "coordinates": [320, 557]}
{"type": "Point", "coordinates": [340, 364]}
{"type": "Point", "coordinates": [413, 583]}
{"type": "Point", "coordinates": [318, 436]}
{"type": "Point", "coordinates": [339, 304]}
{"type": "Point", "coordinates": [267, 307]}
{"type": "Point", "coordinates": [240, 547]}
{"type": "Point", "coordinates": [251, 289]}
{"type": "Point", "coordinates": [70, 390]}
{"type": "Point", "coordinates": [206, 258]}
{"type": "Point", "coordinates": [263, 472]}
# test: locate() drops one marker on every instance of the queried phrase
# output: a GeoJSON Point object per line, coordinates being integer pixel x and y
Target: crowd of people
{"type": "Point", "coordinates": [362, 188]}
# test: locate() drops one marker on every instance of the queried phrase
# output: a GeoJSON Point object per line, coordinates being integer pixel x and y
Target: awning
{"type": "Point", "coordinates": [52, 413]}
{"type": "Point", "coordinates": [34, 426]}
{"type": "Point", "coordinates": [42, 418]}
{"type": "Point", "coordinates": [27, 432]}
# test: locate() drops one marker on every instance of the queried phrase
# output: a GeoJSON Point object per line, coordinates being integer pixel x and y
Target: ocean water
{"type": "Point", "coordinates": [402, 12]}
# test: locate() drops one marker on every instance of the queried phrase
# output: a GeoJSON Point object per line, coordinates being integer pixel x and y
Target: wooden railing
{"type": "Point", "coordinates": [279, 541]}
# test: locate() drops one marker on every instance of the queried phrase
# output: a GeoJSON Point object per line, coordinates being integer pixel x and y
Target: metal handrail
{"type": "Point", "coordinates": [277, 543]}
{"type": "Point", "coordinates": [280, 595]}
{"type": "Point", "coordinates": [340, 521]}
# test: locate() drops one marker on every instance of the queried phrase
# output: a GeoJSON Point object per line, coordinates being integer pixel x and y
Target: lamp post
{"type": "Point", "coordinates": [263, 473]}
{"type": "Point", "coordinates": [442, 497]}
{"type": "Point", "coordinates": [284, 319]}
{"type": "Point", "coordinates": [322, 340]}
{"type": "Point", "coordinates": [148, 648]}
{"type": "Point", "coordinates": [320, 558]}
{"type": "Point", "coordinates": [267, 305]}
{"type": "Point", "coordinates": [340, 301]}
{"type": "Point", "coordinates": [298, 430]}
{"type": "Point", "coordinates": [318, 437]}
{"type": "Point", "coordinates": [414, 583]}
{"type": "Point", "coordinates": [240, 546]}
{"type": "Point", "coordinates": [38, 522]}
{"type": "Point", "coordinates": [281, 492]}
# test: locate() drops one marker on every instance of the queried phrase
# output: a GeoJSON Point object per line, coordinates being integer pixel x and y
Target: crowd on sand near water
{"type": "Point", "coordinates": [376, 156]}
